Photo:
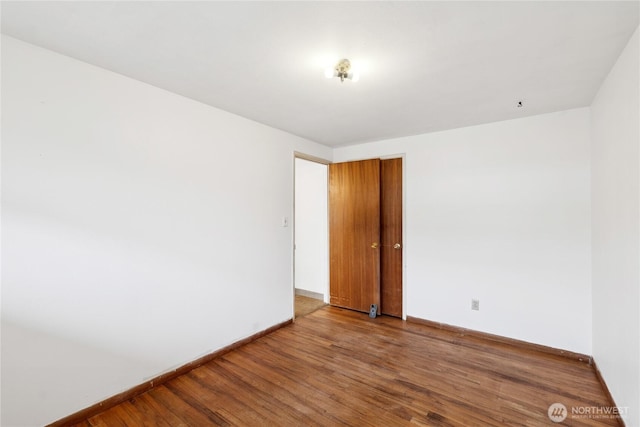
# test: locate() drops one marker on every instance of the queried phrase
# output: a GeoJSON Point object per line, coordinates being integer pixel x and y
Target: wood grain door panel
{"type": "Point", "coordinates": [391, 235]}
{"type": "Point", "coordinates": [354, 224]}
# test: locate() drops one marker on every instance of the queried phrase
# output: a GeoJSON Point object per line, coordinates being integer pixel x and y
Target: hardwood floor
{"type": "Point", "coordinates": [306, 305]}
{"type": "Point", "coordinates": [339, 367]}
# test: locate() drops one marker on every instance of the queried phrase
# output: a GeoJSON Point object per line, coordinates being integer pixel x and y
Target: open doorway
{"type": "Point", "coordinates": [311, 245]}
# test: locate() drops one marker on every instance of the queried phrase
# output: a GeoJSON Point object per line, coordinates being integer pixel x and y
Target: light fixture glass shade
{"type": "Point", "coordinates": [342, 70]}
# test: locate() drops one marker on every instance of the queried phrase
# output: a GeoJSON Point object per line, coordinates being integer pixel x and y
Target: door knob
{"type": "Point", "coordinates": [374, 245]}
{"type": "Point", "coordinates": [397, 246]}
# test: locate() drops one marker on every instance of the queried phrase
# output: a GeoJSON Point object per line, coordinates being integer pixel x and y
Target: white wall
{"type": "Point", "coordinates": [141, 230]}
{"type": "Point", "coordinates": [615, 116]}
{"type": "Point", "coordinates": [499, 212]}
{"type": "Point", "coordinates": [311, 243]}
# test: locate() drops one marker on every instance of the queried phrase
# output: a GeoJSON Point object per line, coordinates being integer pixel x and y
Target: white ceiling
{"type": "Point", "coordinates": [425, 66]}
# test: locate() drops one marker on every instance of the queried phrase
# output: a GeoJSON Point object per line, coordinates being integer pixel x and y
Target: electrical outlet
{"type": "Point", "coordinates": [475, 304]}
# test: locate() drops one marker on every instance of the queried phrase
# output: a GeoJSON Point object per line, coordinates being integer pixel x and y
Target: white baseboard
{"type": "Point", "coordinates": [309, 294]}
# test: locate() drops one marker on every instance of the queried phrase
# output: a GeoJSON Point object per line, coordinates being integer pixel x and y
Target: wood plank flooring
{"type": "Point", "coordinates": [306, 305]}
{"type": "Point", "coordinates": [338, 367]}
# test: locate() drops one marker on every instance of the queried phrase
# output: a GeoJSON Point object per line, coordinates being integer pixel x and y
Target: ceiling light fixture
{"type": "Point", "coordinates": [343, 70]}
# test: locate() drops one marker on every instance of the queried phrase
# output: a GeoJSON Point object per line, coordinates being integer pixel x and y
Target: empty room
{"type": "Point", "coordinates": [316, 213]}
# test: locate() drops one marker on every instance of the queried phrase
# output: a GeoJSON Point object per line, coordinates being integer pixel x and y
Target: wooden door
{"type": "Point", "coordinates": [391, 237]}
{"type": "Point", "coordinates": [354, 234]}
